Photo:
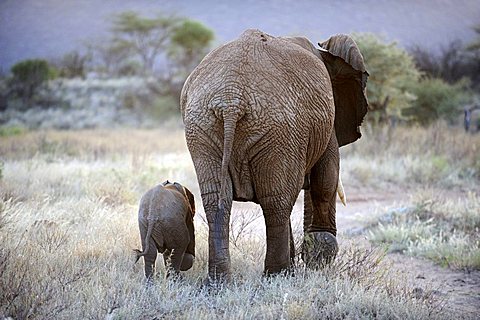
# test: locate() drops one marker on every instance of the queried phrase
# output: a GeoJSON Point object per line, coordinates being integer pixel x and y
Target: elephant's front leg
{"type": "Point", "coordinates": [320, 245]}
{"type": "Point", "coordinates": [151, 255]}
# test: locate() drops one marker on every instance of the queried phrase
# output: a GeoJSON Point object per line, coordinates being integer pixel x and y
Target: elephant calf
{"type": "Point", "coordinates": [165, 219]}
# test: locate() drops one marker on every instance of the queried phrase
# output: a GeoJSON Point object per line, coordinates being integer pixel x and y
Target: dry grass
{"type": "Point", "coordinates": [77, 263]}
{"type": "Point", "coordinates": [68, 204]}
{"type": "Point", "coordinates": [444, 231]}
{"type": "Point", "coordinates": [439, 156]}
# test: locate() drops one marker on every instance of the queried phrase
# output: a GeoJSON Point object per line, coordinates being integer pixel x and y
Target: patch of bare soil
{"type": "Point", "coordinates": [453, 290]}
{"type": "Point", "coordinates": [457, 291]}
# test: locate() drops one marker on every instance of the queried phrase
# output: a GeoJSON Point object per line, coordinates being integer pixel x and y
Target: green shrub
{"type": "Point", "coordinates": [7, 131]}
{"type": "Point", "coordinates": [28, 76]}
{"type": "Point", "coordinates": [436, 99]}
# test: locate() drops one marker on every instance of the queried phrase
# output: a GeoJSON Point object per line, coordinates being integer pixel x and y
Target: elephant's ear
{"type": "Point", "coordinates": [346, 67]}
{"type": "Point", "coordinates": [188, 196]}
{"type": "Point", "coordinates": [189, 221]}
{"type": "Point", "coordinates": [191, 200]}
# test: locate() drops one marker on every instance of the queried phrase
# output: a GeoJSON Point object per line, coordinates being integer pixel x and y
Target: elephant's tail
{"type": "Point", "coordinates": [147, 239]}
{"type": "Point", "coordinates": [230, 118]}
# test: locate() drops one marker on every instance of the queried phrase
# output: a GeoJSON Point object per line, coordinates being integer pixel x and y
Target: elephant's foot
{"type": "Point", "coordinates": [319, 249]}
{"type": "Point", "coordinates": [287, 270]}
{"type": "Point", "coordinates": [187, 262]}
{"type": "Point", "coordinates": [215, 283]}
{"type": "Point", "coordinates": [219, 273]}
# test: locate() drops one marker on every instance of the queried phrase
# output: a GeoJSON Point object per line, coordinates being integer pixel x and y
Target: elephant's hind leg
{"type": "Point", "coordinates": [208, 171]}
{"type": "Point", "coordinates": [277, 183]}
{"type": "Point", "coordinates": [150, 259]}
{"type": "Point", "coordinates": [276, 210]}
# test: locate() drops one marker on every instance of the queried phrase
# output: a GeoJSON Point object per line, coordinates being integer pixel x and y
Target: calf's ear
{"type": "Point", "coordinates": [188, 196]}
{"type": "Point", "coordinates": [189, 221]}
{"type": "Point", "coordinates": [191, 200]}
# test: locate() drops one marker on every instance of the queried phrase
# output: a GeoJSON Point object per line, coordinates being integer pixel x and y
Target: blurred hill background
{"type": "Point", "coordinates": [88, 64]}
{"type": "Point", "coordinates": [49, 28]}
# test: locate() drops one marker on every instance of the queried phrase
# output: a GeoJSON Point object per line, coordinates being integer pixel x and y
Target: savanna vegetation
{"type": "Point", "coordinates": [68, 198]}
{"type": "Point", "coordinates": [68, 226]}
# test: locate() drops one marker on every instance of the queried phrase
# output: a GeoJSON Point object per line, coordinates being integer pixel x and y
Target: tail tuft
{"type": "Point", "coordinates": [138, 254]}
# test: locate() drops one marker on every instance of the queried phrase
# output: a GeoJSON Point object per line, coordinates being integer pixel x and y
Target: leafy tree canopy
{"type": "Point", "coordinates": [192, 35]}
{"type": "Point", "coordinates": [391, 71]}
{"type": "Point", "coordinates": [437, 99]}
{"type": "Point", "coordinates": [147, 38]}
{"type": "Point", "coordinates": [190, 43]}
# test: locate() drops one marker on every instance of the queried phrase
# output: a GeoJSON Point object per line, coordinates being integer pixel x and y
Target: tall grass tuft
{"type": "Point", "coordinates": [444, 231]}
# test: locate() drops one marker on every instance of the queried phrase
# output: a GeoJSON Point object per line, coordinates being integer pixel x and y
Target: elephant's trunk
{"type": "Point", "coordinates": [150, 225]}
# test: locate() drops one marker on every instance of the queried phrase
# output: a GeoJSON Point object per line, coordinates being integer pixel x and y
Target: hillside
{"type": "Point", "coordinates": [50, 28]}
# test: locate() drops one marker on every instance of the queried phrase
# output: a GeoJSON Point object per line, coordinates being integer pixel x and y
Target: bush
{"type": "Point", "coordinates": [436, 99]}
{"type": "Point", "coordinates": [28, 77]}
{"type": "Point", "coordinates": [73, 65]}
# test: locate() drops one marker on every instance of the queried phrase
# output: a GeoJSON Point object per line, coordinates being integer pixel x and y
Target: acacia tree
{"type": "Point", "coordinates": [178, 43]}
{"type": "Point", "coordinates": [392, 71]}
{"type": "Point", "coordinates": [190, 43]}
{"type": "Point", "coordinates": [146, 38]}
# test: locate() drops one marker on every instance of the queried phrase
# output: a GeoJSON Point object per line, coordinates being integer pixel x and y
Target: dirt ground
{"type": "Point", "coordinates": [452, 289]}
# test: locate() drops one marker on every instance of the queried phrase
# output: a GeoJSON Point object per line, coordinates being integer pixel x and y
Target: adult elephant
{"type": "Point", "coordinates": [264, 116]}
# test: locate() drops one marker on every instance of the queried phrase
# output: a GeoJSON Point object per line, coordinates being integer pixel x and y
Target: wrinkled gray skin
{"type": "Point", "coordinates": [264, 117]}
{"type": "Point", "coordinates": [165, 219]}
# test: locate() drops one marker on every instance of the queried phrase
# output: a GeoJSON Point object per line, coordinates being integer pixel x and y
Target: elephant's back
{"type": "Point", "coordinates": [163, 205]}
{"type": "Point", "coordinates": [269, 73]}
